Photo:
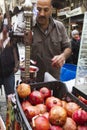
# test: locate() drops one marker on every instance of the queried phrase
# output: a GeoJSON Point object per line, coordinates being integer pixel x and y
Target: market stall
{"type": "Point", "coordinates": [21, 117]}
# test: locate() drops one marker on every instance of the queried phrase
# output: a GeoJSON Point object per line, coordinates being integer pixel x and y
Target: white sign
{"type": "Point", "coordinates": [63, 11]}
{"type": "Point", "coordinates": [75, 12]}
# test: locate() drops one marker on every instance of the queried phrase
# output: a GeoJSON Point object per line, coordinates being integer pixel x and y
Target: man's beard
{"type": "Point", "coordinates": [42, 18]}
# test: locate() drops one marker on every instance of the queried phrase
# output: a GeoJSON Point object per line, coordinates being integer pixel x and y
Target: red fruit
{"type": "Point", "coordinates": [36, 97]}
{"type": "Point", "coordinates": [71, 107]}
{"type": "Point", "coordinates": [52, 101]}
{"type": "Point", "coordinates": [82, 127]}
{"type": "Point", "coordinates": [82, 99]}
{"type": "Point", "coordinates": [31, 111]}
{"type": "Point", "coordinates": [53, 127]}
{"type": "Point", "coordinates": [45, 92]}
{"type": "Point", "coordinates": [46, 114]}
{"type": "Point", "coordinates": [80, 117]}
{"type": "Point", "coordinates": [40, 123]}
{"type": "Point", "coordinates": [42, 108]}
{"type": "Point", "coordinates": [69, 124]}
{"type": "Point", "coordinates": [64, 104]}
{"type": "Point", "coordinates": [23, 90]}
{"type": "Point", "coordinates": [57, 115]}
{"type": "Point", "coordinates": [25, 104]}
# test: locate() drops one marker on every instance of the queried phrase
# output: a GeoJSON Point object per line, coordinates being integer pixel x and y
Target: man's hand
{"type": "Point", "coordinates": [58, 60]}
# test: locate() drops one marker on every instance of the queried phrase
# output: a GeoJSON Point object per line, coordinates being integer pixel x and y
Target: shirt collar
{"type": "Point", "coordinates": [51, 25]}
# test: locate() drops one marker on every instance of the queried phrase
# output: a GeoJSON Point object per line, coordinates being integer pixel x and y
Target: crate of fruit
{"type": "Point", "coordinates": [49, 106]}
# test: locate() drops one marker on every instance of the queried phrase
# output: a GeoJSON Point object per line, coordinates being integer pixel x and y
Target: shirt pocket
{"type": "Point", "coordinates": [56, 44]}
{"type": "Point", "coordinates": [37, 46]}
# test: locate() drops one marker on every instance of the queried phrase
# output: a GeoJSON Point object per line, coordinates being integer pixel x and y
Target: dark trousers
{"type": "Point", "coordinates": [9, 84]}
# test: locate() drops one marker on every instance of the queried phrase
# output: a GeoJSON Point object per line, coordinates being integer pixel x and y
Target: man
{"type": "Point", "coordinates": [51, 45]}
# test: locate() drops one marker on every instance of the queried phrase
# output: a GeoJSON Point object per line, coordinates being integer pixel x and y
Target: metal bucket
{"type": "Point", "coordinates": [33, 72]}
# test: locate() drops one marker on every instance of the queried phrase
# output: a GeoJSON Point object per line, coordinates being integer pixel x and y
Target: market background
{"type": "Point", "coordinates": [70, 12]}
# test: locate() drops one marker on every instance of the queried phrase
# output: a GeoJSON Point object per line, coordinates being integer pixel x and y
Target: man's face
{"type": "Point", "coordinates": [44, 11]}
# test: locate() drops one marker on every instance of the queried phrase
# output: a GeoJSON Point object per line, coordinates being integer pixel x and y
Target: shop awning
{"type": "Point", "coordinates": [74, 19]}
{"type": "Point", "coordinates": [78, 18]}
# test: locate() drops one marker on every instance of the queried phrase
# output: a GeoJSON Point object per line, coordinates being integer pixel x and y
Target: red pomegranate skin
{"type": "Point", "coordinates": [82, 127]}
{"type": "Point", "coordinates": [31, 111]}
{"type": "Point", "coordinates": [25, 104]}
{"type": "Point", "coordinates": [41, 123]}
{"type": "Point", "coordinates": [80, 117]}
{"type": "Point", "coordinates": [71, 107]}
{"type": "Point", "coordinates": [36, 97]}
{"type": "Point", "coordinates": [42, 108]}
{"type": "Point", "coordinates": [57, 115]}
{"type": "Point", "coordinates": [70, 124]}
{"type": "Point", "coordinates": [46, 114]}
{"type": "Point", "coordinates": [53, 127]}
{"type": "Point", "coordinates": [52, 101]}
{"type": "Point", "coordinates": [45, 92]}
{"type": "Point", "coordinates": [83, 99]}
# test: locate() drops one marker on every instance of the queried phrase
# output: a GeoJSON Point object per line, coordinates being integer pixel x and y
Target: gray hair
{"type": "Point", "coordinates": [74, 32]}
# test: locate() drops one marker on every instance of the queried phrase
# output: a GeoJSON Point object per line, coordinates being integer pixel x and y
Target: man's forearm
{"type": "Point", "coordinates": [67, 52]}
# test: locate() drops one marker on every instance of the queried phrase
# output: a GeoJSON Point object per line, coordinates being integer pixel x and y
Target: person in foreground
{"type": "Point", "coordinates": [9, 62]}
{"type": "Point", "coordinates": [51, 45]}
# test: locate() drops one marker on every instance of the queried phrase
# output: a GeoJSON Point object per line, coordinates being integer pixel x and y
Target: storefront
{"type": "Point", "coordinates": [73, 17]}
{"type": "Point", "coordinates": [74, 22]}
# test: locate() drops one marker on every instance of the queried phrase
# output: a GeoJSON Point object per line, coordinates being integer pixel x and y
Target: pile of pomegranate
{"type": "Point", "coordinates": [44, 111]}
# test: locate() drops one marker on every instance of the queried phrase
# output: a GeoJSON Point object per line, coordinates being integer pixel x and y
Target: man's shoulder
{"type": "Point", "coordinates": [59, 25]}
{"type": "Point", "coordinates": [58, 22]}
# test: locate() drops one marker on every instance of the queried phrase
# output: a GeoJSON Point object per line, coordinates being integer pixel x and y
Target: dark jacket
{"type": "Point", "coordinates": [7, 61]}
{"type": "Point", "coordinates": [75, 50]}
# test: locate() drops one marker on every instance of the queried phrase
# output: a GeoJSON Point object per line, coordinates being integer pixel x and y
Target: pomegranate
{"type": "Point", "coordinates": [45, 92]}
{"type": "Point", "coordinates": [40, 123]}
{"type": "Point", "coordinates": [25, 104]}
{"type": "Point", "coordinates": [82, 127]}
{"type": "Point", "coordinates": [57, 115]}
{"type": "Point", "coordinates": [80, 116]}
{"type": "Point", "coordinates": [42, 108]}
{"type": "Point", "coordinates": [36, 97]}
{"type": "Point", "coordinates": [23, 90]}
{"type": "Point", "coordinates": [69, 124]}
{"type": "Point", "coordinates": [46, 114]}
{"type": "Point", "coordinates": [31, 111]}
{"type": "Point", "coordinates": [71, 107]}
{"type": "Point", "coordinates": [83, 99]}
{"type": "Point", "coordinates": [64, 104]}
{"type": "Point", "coordinates": [52, 101]}
{"type": "Point", "coordinates": [53, 127]}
